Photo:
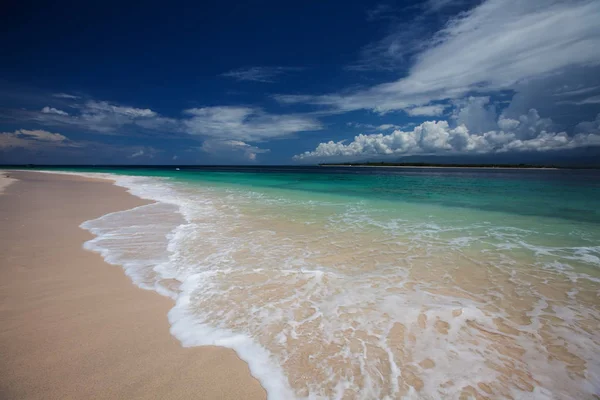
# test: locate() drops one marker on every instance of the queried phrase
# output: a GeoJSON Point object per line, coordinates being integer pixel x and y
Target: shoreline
{"type": "Point", "coordinates": [74, 326]}
{"type": "Point", "coordinates": [5, 180]}
{"type": "Point", "coordinates": [438, 166]}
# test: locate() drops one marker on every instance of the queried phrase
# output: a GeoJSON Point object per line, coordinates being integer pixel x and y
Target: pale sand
{"type": "Point", "coordinates": [74, 327]}
{"type": "Point", "coordinates": [5, 180]}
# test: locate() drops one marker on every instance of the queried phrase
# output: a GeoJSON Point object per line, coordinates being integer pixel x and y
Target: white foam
{"type": "Point", "coordinates": [5, 180]}
{"type": "Point", "coordinates": [186, 327]}
{"type": "Point", "coordinates": [255, 277]}
{"type": "Point", "coordinates": [159, 240]}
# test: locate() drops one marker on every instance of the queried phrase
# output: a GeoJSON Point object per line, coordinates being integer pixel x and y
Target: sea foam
{"type": "Point", "coordinates": [339, 300]}
{"type": "Point", "coordinates": [144, 241]}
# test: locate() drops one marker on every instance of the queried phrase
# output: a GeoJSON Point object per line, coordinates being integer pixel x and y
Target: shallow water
{"type": "Point", "coordinates": [376, 283]}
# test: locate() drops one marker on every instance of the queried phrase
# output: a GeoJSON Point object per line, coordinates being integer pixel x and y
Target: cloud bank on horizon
{"type": "Point", "coordinates": [528, 133]}
{"type": "Point", "coordinates": [455, 77]}
{"type": "Point", "coordinates": [498, 45]}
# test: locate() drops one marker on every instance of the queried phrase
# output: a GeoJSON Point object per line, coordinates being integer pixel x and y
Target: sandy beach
{"type": "Point", "coordinates": [74, 327]}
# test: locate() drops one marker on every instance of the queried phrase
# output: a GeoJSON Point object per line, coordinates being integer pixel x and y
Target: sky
{"type": "Point", "coordinates": [265, 82]}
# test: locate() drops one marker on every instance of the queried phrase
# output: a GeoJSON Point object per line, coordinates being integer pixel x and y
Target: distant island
{"type": "Point", "coordinates": [434, 165]}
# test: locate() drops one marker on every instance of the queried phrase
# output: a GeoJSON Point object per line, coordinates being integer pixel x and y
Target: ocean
{"type": "Point", "coordinates": [374, 283]}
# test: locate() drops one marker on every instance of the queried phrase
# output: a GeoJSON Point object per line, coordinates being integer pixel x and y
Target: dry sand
{"type": "Point", "coordinates": [74, 327]}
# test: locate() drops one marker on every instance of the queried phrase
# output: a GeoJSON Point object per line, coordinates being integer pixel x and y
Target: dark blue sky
{"type": "Point", "coordinates": [305, 82]}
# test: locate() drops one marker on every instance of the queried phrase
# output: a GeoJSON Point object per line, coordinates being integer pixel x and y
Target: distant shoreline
{"type": "Point", "coordinates": [434, 166]}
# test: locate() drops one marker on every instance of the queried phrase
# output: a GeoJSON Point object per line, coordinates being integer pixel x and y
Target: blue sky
{"type": "Point", "coordinates": [262, 82]}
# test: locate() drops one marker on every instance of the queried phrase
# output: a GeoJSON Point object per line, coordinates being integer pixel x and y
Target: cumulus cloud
{"type": "Point", "coordinates": [494, 46]}
{"type": "Point", "coordinates": [23, 138]}
{"type": "Point", "coordinates": [476, 113]}
{"type": "Point", "coordinates": [259, 74]}
{"type": "Point", "coordinates": [52, 110]}
{"type": "Point", "coordinates": [245, 123]}
{"type": "Point", "coordinates": [217, 147]}
{"type": "Point", "coordinates": [527, 133]}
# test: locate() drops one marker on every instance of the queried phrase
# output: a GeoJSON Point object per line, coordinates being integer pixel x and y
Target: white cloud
{"type": "Point", "coordinates": [249, 124]}
{"type": "Point", "coordinates": [386, 127]}
{"type": "Point", "coordinates": [52, 110]}
{"type": "Point", "coordinates": [65, 96]}
{"type": "Point", "coordinates": [429, 111]}
{"type": "Point", "coordinates": [371, 127]}
{"type": "Point", "coordinates": [104, 117]}
{"type": "Point", "coordinates": [589, 126]}
{"type": "Point", "coordinates": [23, 138]}
{"type": "Point", "coordinates": [259, 74]}
{"type": "Point", "coordinates": [590, 100]}
{"type": "Point", "coordinates": [502, 42]}
{"type": "Point", "coordinates": [575, 91]}
{"type": "Point", "coordinates": [494, 46]}
{"type": "Point", "coordinates": [138, 153]}
{"type": "Point", "coordinates": [528, 133]}
{"type": "Point", "coordinates": [41, 135]}
{"type": "Point", "coordinates": [217, 146]}
{"type": "Point", "coordinates": [145, 152]}
{"type": "Point", "coordinates": [103, 107]}
{"type": "Point", "coordinates": [245, 123]}
{"type": "Point", "coordinates": [476, 113]}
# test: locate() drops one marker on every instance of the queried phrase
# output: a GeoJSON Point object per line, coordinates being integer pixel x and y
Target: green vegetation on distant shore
{"type": "Point", "coordinates": [423, 164]}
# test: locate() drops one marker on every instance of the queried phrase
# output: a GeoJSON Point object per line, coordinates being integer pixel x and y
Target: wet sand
{"type": "Point", "coordinates": [72, 326]}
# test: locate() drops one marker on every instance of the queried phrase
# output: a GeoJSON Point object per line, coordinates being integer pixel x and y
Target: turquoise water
{"type": "Point", "coordinates": [566, 194]}
{"type": "Point", "coordinates": [375, 283]}
{"type": "Point", "coordinates": [562, 206]}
